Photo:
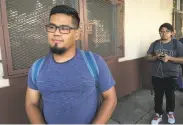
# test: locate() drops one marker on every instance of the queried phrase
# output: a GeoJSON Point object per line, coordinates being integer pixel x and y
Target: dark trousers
{"type": "Point", "coordinates": [163, 86]}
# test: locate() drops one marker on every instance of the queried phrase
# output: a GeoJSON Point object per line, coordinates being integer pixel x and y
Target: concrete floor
{"type": "Point", "coordinates": [138, 108]}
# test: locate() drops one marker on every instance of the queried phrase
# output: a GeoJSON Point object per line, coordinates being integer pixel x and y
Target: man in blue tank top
{"type": "Point", "coordinates": [64, 82]}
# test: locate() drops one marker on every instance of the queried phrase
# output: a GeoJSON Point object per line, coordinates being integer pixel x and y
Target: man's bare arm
{"type": "Point", "coordinates": [32, 106]}
{"type": "Point", "coordinates": [152, 58]}
{"type": "Point", "coordinates": [107, 107]}
{"type": "Point", "coordinates": [176, 59]}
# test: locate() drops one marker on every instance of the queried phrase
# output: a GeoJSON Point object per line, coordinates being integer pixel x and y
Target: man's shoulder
{"type": "Point", "coordinates": [153, 44]}
{"type": "Point", "coordinates": [96, 56]}
{"type": "Point", "coordinates": [156, 41]}
{"type": "Point", "coordinates": [177, 43]}
{"type": "Point", "coordinates": [40, 60]}
{"type": "Point", "coordinates": [181, 40]}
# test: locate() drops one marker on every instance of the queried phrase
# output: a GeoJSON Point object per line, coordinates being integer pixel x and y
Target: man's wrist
{"type": "Point", "coordinates": [170, 58]}
{"type": "Point", "coordinates": [155, 57]}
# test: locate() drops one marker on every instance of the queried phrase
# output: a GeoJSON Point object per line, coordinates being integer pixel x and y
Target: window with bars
{"type": "Point", "coordinates": [178, 18]}
{"type": "Point", "coordinates": [105, 35]}
{"type": "Point", "coordinates": [25, 38]}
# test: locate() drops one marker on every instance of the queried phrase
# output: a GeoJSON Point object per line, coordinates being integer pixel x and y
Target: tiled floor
{"type": "Point", "coordinates": [137, 108]}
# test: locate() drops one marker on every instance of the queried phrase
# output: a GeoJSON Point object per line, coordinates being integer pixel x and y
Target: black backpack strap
{"type": "Point", "coordinates": [175, 44]}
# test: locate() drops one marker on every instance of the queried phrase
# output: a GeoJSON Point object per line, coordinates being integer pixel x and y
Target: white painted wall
{"type": "Point", "coordinates": [3, 82]}
{"type": "Point", "coordinates": [0, 54]}
{"type": "Point", "coordinates": [142, 21]}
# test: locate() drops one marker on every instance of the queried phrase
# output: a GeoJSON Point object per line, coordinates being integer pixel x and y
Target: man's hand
{"type": "Point", "coordinates": [165, 59]}
{"type": "Point", "coordinates": [151, 57]}
{"type": "Point", "coordinates": [159, 56]}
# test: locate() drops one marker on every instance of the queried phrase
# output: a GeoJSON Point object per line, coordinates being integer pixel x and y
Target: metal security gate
{"type": "Point", "coordinates": [105, 27]}
{"type": "Point", "coordinates": [24, 39]}
{"type": "Point", "coordinates": [178, 23]}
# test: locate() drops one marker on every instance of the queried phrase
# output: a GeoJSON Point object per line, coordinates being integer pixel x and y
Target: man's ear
{"type": "Point", "coordinates": [78, 34]}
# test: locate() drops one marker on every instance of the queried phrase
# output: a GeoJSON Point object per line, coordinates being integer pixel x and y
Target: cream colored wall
{"type": "Point", "coordinates": [3, 82]}
{"type": "Point", "coordinates": [142, 21]}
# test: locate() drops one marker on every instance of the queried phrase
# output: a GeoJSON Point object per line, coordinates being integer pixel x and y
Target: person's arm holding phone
{"type": "Point", "coordinates": [167, 58]}
{"type": "Point", "coordinates": [151, 57]}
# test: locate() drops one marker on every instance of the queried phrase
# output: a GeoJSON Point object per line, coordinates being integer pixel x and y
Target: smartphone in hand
{"type": "Point", "coordinates": [162, 56]}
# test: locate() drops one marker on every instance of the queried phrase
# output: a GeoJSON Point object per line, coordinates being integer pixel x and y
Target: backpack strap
{"type": "Point", "coordinates": [91, 64]}
{"type": "Point", "coordinates": [36, 69]}
{"type": "Point", "coordinates": [93, 68]}
{"type": "Point", "coordinates": [175, 42]}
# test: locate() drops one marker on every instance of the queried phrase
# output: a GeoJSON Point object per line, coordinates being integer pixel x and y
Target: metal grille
{"type": "Point", "coordinates": [26, 20]}
{"type": "Point", "coordinates": [120, 30]}
{"type": "Point", "coordinates": [105, 27]}
{"type": "Point", "coordinates": [178, 23]}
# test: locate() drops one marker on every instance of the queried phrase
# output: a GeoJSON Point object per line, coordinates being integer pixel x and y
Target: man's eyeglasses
{"type": "Point", "coordinates": [164, 32]}
{"type": "Point", "coordinates": [64, 29]}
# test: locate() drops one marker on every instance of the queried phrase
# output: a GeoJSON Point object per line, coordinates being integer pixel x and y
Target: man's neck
{"type": "Point", "coordinates": [166, 41]}
{"type": "Point", "coordinates": [68, 55]}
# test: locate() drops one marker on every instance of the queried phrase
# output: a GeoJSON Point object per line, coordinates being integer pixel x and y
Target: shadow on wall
{"type": "Point", "coordinates": [131, 75]}
{"type": "Point", "coordinates": [12, 109]}
{"type": "Point", "coordinates": [146, 72]}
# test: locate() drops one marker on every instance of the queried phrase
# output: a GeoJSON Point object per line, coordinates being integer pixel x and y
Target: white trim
{"type": "Point", "coordinates": [3, 82]}
{"type": "Point", "coordinates": [178, 5]}
{"type": "Point", "coordinates": [179, 11]}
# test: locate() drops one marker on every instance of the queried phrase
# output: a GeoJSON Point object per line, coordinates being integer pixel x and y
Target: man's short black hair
{"type": "Point", "coordinates": [64, 9]}
{"type": "Point", "coordinates": [168, 26]}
